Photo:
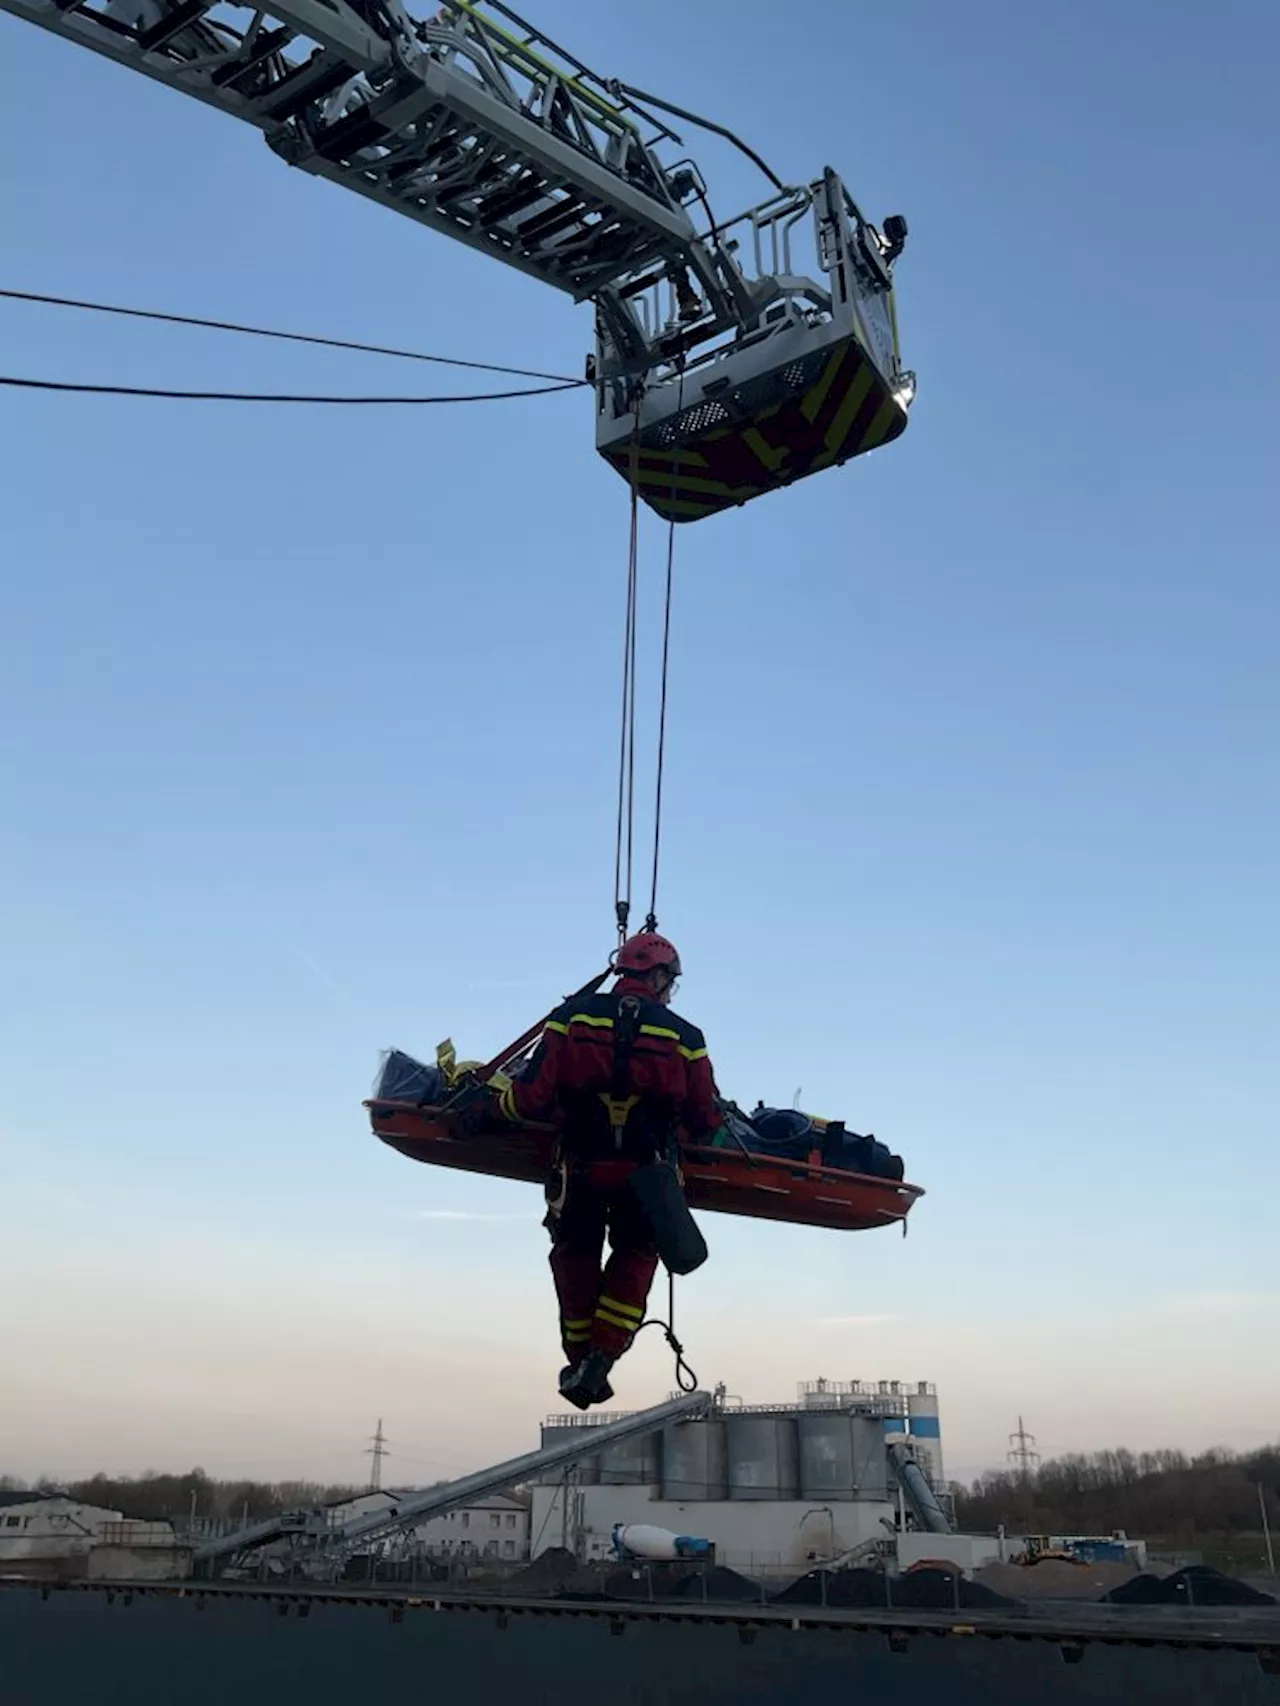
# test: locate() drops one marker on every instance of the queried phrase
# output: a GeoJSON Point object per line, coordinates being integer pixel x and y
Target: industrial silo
{"type": "Point", "coordinates": [630, 1463]}
{"type": "Point", "coordinates": [923, 1424]}
{"type": "Point", "coordinates": [695, 1462]}
{"type": "Point", "coordinates": [763, 1457]}
{"type": "Point", "coordinates": [827, 1468]}
{"type": "Point", "coordinates": [587, 1470]}
{"type": "Point", "coordinates": [870, 1458]}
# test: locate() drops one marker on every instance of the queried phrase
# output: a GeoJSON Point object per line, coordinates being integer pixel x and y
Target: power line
{"type": "Point", "coordinates": [285, 337]}
{"type": "Point", "coordinates": [271, 397]}
{"type": "Point", "coordinates": [1023, 1455]}
{"type": "Point", "coordinates": [378, 1450]}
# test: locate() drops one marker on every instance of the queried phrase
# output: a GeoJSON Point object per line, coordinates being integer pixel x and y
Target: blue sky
{"type": "Point", "coordinates": [309, 725]}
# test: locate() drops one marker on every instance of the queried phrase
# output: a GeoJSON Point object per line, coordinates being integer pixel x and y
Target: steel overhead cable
{"type": "Point", "coordinates": [267, 397]}
{"type": "Point", "coordinates": [154, 314]}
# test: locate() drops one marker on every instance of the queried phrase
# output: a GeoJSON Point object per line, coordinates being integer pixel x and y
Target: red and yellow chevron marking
{"type": "Point", "coordinates": [847, 411]}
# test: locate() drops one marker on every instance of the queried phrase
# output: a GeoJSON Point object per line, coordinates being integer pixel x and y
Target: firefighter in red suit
{"type": "Point", "coordinates": [619, 1072]}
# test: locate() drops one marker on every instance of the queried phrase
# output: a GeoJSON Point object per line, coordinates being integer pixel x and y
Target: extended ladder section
{"type": "Point", "coordinates": [470, 122]}
{"type": "Point", "coordinates": [323, 1536]}
{"type": "Point", "coordinates": [721, 370]}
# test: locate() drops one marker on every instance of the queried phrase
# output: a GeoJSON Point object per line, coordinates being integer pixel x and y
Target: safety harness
{"type": "Point", "coordinates": [619, 1100]}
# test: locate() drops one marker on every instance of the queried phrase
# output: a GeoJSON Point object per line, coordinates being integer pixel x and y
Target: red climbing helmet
{"type": "Point", "coordinates": [647, 952]}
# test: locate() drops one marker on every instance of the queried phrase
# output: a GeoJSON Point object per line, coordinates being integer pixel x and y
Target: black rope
{"type": "Point", "coordinates": [266, 397]}
{"type": "Point", "coordinates": [285, 337]}
{"type": "Point", "coordinates": [616, 88]}
{"type": "Point", "coordinates": [627, 748]}
{"type": "Point", "coordinates": [651, 922]}
{"type": "Point", "coordinates": [686, 1379]}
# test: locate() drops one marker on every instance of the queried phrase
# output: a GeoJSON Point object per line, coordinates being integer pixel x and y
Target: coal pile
{"type": "Point", "coordinates": [942, 1590]}
{"type": "Point", "coordinates": [549, 1573]}
{"type": "Point", "coordinates": [717, 1583]}
{"type": "Point", "coordinates": [1196, 1585]}
{"type": "Point", "coordinates": [868, 1590]}
{"type": "Point", "coordinates": [861, 1589]}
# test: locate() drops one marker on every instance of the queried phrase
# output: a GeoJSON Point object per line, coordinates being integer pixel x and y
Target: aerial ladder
{"type": "Point", "coordinates": [720, 371]}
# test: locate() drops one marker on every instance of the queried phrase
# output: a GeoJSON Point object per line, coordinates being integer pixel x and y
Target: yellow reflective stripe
{"type": "Point", "coordinates": [555, 1025]}
{"type": "Point", "coordinates": [620, 1308]}
{"type": "Point", "coordinates": [522, 50]}
{"type": "Point", "coordinates": [575, 1335]}
{"type": "Point", "coordinates": [857, 394]}
{"type": "Point", "coordinates": [694, 1053]}
{"type": "Point", "coordinates": [590, 1019]}
{"type": "Point", "coordinates": [763, 451]}
{"type": "Point", "coordinates": [885, 416]}
{"type": "Point", "coordinates": [581, 1321]}
{"type": "Point", "coordinates": [616, 1321]}
{"type": "Point", "coordinates": [816, 395]}
{"type": "Point", "coordinates": [659, 1031]}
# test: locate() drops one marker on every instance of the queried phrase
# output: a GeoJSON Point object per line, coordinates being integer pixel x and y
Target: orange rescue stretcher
{"type": "Point", "coordinates": [725, 1181]}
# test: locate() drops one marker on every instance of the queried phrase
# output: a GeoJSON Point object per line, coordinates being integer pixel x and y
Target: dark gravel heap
{"type": "Point", "coordinates": [864, 1589]}
{"type": "Point", "coordinates": [868, 1590]}
{"type": "Point", "coordinates": [553, 1570]}
{"type": "Point", "coordinates": [938, 1590]}
{"type": "Point", "coordinates": [718, 1583]}
{"type": "Point", "coordinates": [1196, 1585]}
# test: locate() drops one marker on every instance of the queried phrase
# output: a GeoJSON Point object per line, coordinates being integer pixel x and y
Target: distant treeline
{"type": "Point", "coordinates": [151, 1497]}
{"type": "Point", "coordinates": [1163, 1493]}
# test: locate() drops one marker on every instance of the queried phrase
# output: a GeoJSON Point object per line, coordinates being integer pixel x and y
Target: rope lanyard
{"type": "Point", "coordinates": [651, 922]}
{"type": "Point", "coordinates": [686, 1379]}
{"type": "Point", "coordinates": [625, 842]}
{"type": "Point", "coordinates": [627, 747]}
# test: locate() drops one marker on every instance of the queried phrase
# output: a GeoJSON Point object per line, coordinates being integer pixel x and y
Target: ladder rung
{"type": "Point", "coordinates": [172, 24]}
{"type": "Point", "coordinates": [319, 76]}
{"type": "Point", "coordinates": [269, 42]}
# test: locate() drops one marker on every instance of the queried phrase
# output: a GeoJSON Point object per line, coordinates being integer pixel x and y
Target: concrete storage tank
{"type": "Point", "coordinates": [695, 1462]}
{"type": "Point", "coordinates": [923, 1424]}
{"type": "Point", "coordinates": [870, 1458]}
{"type": "Point", "coordinates": [587, 1472]}
{"type": "Point", "coordinates": [763, 1457]}
{"type": "Point", "coordinates": [827, 1466]}
{"type": "Point", "coordinates": [633, 1463]}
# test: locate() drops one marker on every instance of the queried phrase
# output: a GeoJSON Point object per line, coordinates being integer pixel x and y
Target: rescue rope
{"type": "Point", "coordinates": [627, 747]}
{"type": "Point", "coordinates": [623, 863]}
{"type": "Point", "coordinates": [651, 922]}
{"type": "Point", "coordinates": [686, 1379]}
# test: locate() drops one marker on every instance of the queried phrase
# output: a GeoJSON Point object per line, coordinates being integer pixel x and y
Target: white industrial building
{"type": "Point", "coordinates": [495, 1527]}
{"type": "Point", "coordinates": [774, 1487]}
{"type": "Point", "coordinates": [42, 1532]}
{"type": "Point", "coordinates": [50, 1526]}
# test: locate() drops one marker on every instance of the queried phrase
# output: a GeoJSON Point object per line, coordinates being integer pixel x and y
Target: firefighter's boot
{"type": "Point", "coordinates": [587, 1382]}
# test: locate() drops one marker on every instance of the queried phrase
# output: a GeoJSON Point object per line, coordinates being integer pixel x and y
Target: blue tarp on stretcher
{"type": "Point", "coordinates": [787, 1133]}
